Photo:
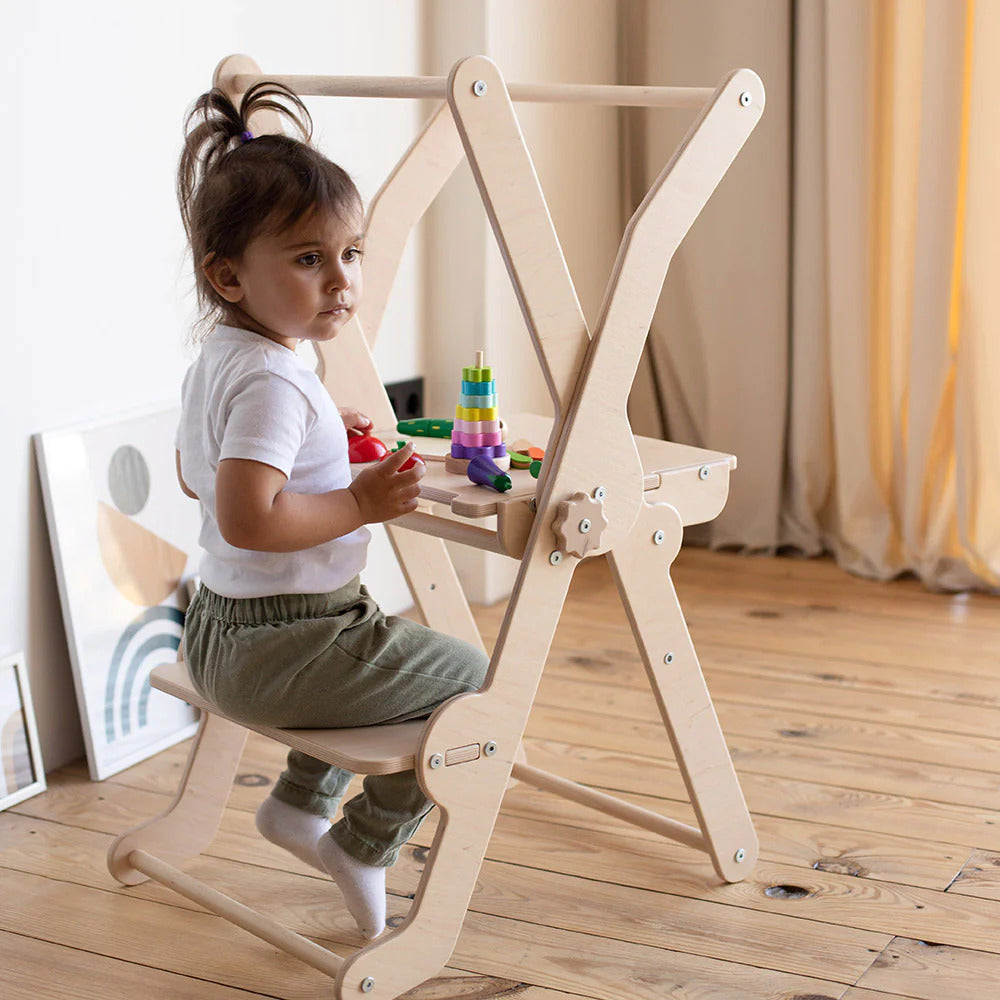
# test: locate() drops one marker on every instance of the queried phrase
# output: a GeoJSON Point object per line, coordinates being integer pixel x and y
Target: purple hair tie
{"type": "Point", "coordinates": [246, 137]}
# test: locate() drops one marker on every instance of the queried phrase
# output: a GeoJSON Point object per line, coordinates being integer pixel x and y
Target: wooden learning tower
{"type": "Point", "coordinates": [602, 491]}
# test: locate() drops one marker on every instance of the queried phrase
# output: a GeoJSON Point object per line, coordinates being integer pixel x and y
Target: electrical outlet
{"type": "Point", "coordinates": [407, 398]}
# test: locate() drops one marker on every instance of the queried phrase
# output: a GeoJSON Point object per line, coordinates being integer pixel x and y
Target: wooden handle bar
{"type": "Point", "coordinates": [436, 86]}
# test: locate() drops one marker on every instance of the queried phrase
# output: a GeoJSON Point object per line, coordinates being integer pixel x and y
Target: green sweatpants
{"type": "Point", "coordinates": [326, 661]}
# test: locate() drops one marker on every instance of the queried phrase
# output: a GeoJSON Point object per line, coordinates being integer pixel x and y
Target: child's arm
{"type": "Point", "coordinates": [184, 486]}
{"type": "Point", "coordinates": [254, 511]}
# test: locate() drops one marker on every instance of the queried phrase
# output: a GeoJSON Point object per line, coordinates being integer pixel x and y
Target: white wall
{"type": "Point", "coordinates": [92, 274]}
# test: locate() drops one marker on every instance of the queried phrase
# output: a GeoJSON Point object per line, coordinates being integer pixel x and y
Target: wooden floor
{"type": "Point", "coordinates": [864, 722]}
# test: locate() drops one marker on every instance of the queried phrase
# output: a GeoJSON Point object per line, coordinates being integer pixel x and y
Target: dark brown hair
{"type": "Point", "coordinates": [233, 187]}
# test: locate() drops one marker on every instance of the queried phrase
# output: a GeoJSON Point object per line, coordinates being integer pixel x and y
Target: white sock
{"type": "Point", "coordinates": [363, 885]}
{"type": "Point", "coordinates": [296, 830]}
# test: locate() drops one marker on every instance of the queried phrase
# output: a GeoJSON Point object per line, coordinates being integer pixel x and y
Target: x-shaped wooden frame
{"type": "Point", "coordinates": [591, 451]}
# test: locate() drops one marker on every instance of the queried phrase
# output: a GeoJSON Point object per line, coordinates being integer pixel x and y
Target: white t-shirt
{"type": "Point", "coordinates": [248, 397]}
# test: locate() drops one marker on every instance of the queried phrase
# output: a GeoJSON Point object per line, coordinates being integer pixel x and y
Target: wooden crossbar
{"type": "Point", "coordinates": [237, 913]}
{"type": "Point", "coordinates": [436, 88]}
{"type": "Point", "coordinates": [548, 782]}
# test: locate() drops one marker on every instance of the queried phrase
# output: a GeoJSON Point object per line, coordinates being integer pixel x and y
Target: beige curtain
{"type": "Point", "coordinates": [865, 415]}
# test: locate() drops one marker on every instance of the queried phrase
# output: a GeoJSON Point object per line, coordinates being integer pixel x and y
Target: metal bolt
{"type": "Point", "coordinates": [555, 557]}
{"type": "Point", "coordinates": [479, 88]}
{"type": "Point", "coordinates": [490, 748]}
{"type": "Point", "coordinates": [658, 537]}
{"type": "Point", "coordinates": [669, 658]}
{"type": "Point", "coordinates": [585, 526]}
{"type": "Point", "coordinates": [436, 760]}
{"type": "Point", "coordinates": [740, 855]}
{"type": "Point", "coordinates": [367, 984]}
{"type": "Point", "coordinates": [600, 493]}
{"type": "Point", "coordinates": [745, 98]}
{"type": "Point", "coordinates": [704, 472]}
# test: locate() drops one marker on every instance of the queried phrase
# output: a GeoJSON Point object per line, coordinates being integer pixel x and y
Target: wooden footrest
{"type": "Point", "coordinates": [364, 750]}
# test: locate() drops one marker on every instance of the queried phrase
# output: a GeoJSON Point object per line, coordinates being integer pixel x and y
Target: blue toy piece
{"type": "Point", "coordinates": [479, 388]}
{"type": "Point", "coordinates": [483, 472]}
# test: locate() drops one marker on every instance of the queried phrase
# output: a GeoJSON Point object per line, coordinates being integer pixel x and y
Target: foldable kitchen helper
{"type": "Point", "coordinates": [601, 491]}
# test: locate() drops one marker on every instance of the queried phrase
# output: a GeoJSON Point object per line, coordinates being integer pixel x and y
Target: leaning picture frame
{"type": "Point", "coordinates": [21, 771]}
{"type": "Point", "coordinates": [124, 544]}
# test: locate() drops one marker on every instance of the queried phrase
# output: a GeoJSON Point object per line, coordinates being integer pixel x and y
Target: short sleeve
{"type": "Point", "coordinates": [267, 420]}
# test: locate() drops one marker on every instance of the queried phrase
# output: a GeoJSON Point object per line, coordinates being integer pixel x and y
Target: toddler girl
{"type": "Point", "coordinates": [281, 632]}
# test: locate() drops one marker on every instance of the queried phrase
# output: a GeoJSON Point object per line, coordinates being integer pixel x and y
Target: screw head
{"type": "Point", "coordinates": [658, 537]}
{"type": "Point", "coordinates": [585, 526]}
{"type": "Point", "coordinates": [746, 99]}
{"type": "Point", "coordinates": [669, 658]}
{"type": "Point", "coordinates": [436, 760]}
{"type": "Point", "coordinates": [740, 856]}
{"type": "Point", "coordinates": [490, 748]}
{"type": "Point", "coordinates": [479, 88]}
{"type": "Point", "coordinates": [600, 493]}
{"type": "Point", "coordinates": [555, 557]}
{"type": "Point", "coordinates": [704, 472]}
{"type": "Point", "coordinates": [367, 984]}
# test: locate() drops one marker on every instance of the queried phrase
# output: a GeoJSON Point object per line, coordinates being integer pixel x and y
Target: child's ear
{"type": "Point", "coordinates": [222, 276]}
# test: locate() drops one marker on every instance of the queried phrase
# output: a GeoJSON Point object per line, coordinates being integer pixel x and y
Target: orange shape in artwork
{"type": "Point", "coordinates": [144, 568]}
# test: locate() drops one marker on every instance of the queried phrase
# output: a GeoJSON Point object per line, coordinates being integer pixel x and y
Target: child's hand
{"type": "Point", "coordinates": [383, 492]}
{"type": "Point", "coordinates": [355, 421]}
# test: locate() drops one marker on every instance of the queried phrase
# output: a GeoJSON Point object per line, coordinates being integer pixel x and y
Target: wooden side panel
{"type": "Point", "coordinates": [185, 829]}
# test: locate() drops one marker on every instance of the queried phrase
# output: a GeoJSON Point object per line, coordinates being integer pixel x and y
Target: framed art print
{"type": "Point", "coordinates": [123, 538]}
{"type": "Point", "coordinates": [21, 771]}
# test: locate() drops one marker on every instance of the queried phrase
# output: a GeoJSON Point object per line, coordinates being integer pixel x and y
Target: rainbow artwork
{"type": "Point", "coordinates": [477, 430]}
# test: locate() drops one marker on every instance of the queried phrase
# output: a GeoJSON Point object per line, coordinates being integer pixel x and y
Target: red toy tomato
{"type": "Point", "coordinates": [410, 462]}
{"type": "Point", "coordinates": [365, 448]}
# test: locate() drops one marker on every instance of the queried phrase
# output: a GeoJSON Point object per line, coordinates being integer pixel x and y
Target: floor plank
{"type": "Point", "coordinates": [93, 976]}
{"type": "Point", "coordinates": [980, 876]}
{"type": "Point", "coordinates": [931, 971]}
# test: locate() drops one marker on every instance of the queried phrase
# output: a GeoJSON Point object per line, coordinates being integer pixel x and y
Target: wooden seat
{"type": "Point", "coordinates": [364, 750]}
{"type": "Point", "coordinates": [601, 491]}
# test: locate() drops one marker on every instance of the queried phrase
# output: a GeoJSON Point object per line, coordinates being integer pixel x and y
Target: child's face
{"type": "Point", "coordinates": [301, 284]}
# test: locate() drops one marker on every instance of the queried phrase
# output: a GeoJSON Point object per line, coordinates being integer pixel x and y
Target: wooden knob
{"type": "Point", "coordinates": [579, 524]}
